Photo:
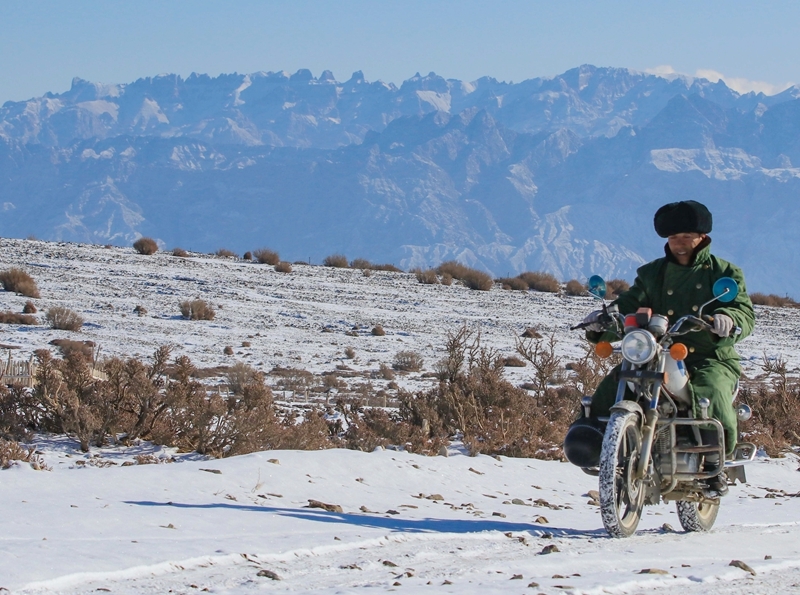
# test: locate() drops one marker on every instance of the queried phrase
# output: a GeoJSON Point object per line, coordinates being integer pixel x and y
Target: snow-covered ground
{"type": "Point", "coordinates": [408, 523]}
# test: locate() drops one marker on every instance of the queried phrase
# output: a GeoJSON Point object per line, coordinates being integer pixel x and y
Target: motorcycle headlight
{"type": "Point", "coordinates": [639, 346]}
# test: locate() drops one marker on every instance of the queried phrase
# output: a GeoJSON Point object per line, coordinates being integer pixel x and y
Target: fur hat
{"type": "Point", "coordinates": [686, 216]}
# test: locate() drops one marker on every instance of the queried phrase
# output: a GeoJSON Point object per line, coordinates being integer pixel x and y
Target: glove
{"type": "Point", "coordinates": [592, 322]}
{"type": "Point", "coordinates": [723, 325]}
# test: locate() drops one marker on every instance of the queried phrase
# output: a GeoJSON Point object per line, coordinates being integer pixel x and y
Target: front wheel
{"type": "Point", "coordinates": [621, 494]}
{"type": "Point", "coordinates": [696, 516]}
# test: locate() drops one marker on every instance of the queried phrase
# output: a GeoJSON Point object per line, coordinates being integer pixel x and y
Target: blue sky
{"type": "Point", "coordinates": [44, 44]}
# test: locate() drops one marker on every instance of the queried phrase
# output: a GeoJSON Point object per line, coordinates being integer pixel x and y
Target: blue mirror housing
{"type": "Point", "coordinates": [726, 289]}
{"type": "Point", "coordinates": [597, 286]}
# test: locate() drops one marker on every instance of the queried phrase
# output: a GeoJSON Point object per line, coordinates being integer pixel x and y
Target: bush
{"type": "Point", "coordinates": [541, 281]}
{"type": "Point", "coordinates": [266, 256]}
{"type": "Point", "coordinates": [14, 318]}
{"type": "Point", "coordinates": [616, 287]}
{"type": "Point", "coordinates": [20, 282]}
{"type": "Point", "coordinates": [349, 352]}
{"type": "Point", "coordinates": [140, 310]}
{"type": "Point", "coordinates": [574, 287]}
{"type": "Point", "coordinates": [197, 310]}
{"type": "Point", "coordinates": [479, 280]}
{"type": "Point", "coordinates": [513, 361]}
{"type": "Point", "coordinates": [225, 253]}
{"type": "Point", "coordinates": [377, 331]}
{"type": "Point", "coordinates": [514, 283]}
{"type": "Point", "coordinates": [776, 301]}
{"type": "Point", "coordinates": [180, 252]}
{"type": "Point", "coordinates": [70, 348]}
{"type": "Point", "coordinates": [386, 372]}
{"type": "Point", "coordinates": [428, 277]}
{"type": "Point", "coordinates": [338, 261]}
{"type": "Point", "coordinates": [407, 361]}
{"type": "Point", "coordinates": [389, 268]}
{"type": "Point", "coordinates": [247, 255]}
{"type": "Point", "coordinates": [360, 263]}
{"type": "Point", "coordinates": [283, 267]}
{"type": "Point", "coordinates": [63, 319]}
{"type": "Point", "coordinates": [455, 269]}
{"type": "Point", "coordinates": [228, 350]}
{"type": "Point", "coordinates": [447, 279]}
{"type": "Point", "coordinates": [29, 308]}
{"type": "Point", "coordinates": [146, 246]}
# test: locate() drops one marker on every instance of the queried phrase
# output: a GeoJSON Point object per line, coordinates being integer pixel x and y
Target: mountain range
{"type": "Point", "coordinates": [559, 174]}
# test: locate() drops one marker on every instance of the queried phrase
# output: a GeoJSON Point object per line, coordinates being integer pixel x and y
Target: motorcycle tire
{"type": "Point", "coordinates": [621, 494]}
{"type": "Point", "coordinates": [697, 517]}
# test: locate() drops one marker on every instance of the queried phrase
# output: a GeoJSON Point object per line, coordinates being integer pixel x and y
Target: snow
{"type": "Point", "coordinates": [91, 524]}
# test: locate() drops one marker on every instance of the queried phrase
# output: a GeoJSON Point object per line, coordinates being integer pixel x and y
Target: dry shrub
{"type": "Point", "coordinates": [266, 256]}
{"type": "Point", "coordinates": [776, 301]}
{"type": "Point", "coordinates": [225, 253]}
{"type": "Point", "coordinates": [197, 310]}
{"type": "Point", "coordinates": [447, 279]}
{"type": "Point", "coordinates": [513, 361]}
{"type": "Point", "coordinates": [11, 451]}
{"type": "Point", "coordinates": [29, 308]}
{"type": "Point", "coordinates": [14, 318]}
{"type": "Point", "coordinates": [479, 280]}
{"type": "Point", "coordinates": [247, 255]}
{"type": "Point", "coordinates": [574, 287]}
{"type": "Point", "coordinates": [428, 277]}
{"type": "Point", "coordinates": [531, 332]}
{"type": "Point", "coordinates": [514, 283]}
{"type": "Point", "coordinates": [538, 281]}
{"type": "Point", "coordinates": [349, 352]}
{"type": "Point", "coordinates": [387, 267]}
{"type": "Point", "coordinates": [20, 282]}
{"type": "Point", "coordinates": [70, 348]}
{"type": "Point", "coordinates": [140, 310]}
{"type": "Point", "coordinates": [338, 261]}
{"type": "Point", "coordinates": [228, 350]}
{"type": "Point", "coordinates": [283, 267]}
{"type": "Point", "coordinates": [64, 319]}
{"type": "Point", "coordinates": [180, 253]}
{"type": "Point", "coordinates": [146, 246]}
{"type": "Point", "coordinates": [617, 287]}
{"type": "Point", "coordinates": [407, 361]}
{"type": "Point", "coordinates": [386, 372]}
{"type": "Point", "coordinates": [366, 272]}
{"type": "Point", "coordinates": [775, 401]}
{"type": "Point", "coordinates": [455, 269]}
{"type": "Point", "coordinates": [377, 331]}
{"type": "Point", "coordinates": [360, 263]}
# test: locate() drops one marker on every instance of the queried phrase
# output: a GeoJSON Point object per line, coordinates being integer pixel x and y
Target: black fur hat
{"type": "Point", "coordinates": [686, 216]}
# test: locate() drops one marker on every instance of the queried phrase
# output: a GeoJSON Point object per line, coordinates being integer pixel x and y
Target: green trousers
{"type": "Point", "coordinates": [710, 378]}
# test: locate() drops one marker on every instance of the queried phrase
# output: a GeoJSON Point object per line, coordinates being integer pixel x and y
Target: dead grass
{"type": "Point", "coordinates": [20, 282]}
{"type": "Point", "coordinates": [538, 281]}
{"type": "Point", "coordinates": [180, 253]}
{"type": "Point", "coordinates": [428, 277]}
{"type": "Point", "coordinates": [513, 283]}
{"type": "Point", "coordinates": [29, 308]}
{"type": "Point", "coordinates": [283, 267]}
{"type": "Point", "coordinates": [776, 301]}
{"type": "Point", "coordinates": [574, 287]}
{"type": "Point", "coordinates": [617, 287]}
{"type": "Point", "coordinates": [407, 361]}
{"type": "Point", "coordinates": [225, 253]}
{"type": "Point", "coordinates": [146, 246]}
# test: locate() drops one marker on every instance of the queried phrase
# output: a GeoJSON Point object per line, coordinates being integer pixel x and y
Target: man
{"type": "Point", "coordinates": [676, 285]}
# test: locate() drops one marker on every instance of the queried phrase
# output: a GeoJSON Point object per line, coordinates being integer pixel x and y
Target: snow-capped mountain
{"type": "Point", "coordinates": [560, 174]}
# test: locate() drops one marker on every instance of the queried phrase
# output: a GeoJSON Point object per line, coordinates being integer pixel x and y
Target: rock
{"type": "Point", "coordinates": [389, 563]}
{"type": "Point", "coordinates": [593, 502]}
{"type": "Point", "coordinates": [549, 549]}
{"type": "Point", "coordinates": [518, 501]}
{"type": "Point", "coordinates": [541, 520]}
{"type": "Point", "coordinates": [743, 566]}
{"type": "Point", "coordinates": [593, 494]}
{"type": "Point", "coordinates": [392, 511]}
{"type": "Point", "coordinates": [215, 471]}
{"type": "Point", "coordinates": [667, 528]}
{"type": "Point", "coordinates": [268, 574]}
{"type": "Point", "coordinates": [558, 576]}
{"type": "Point", "coordinates": [652, 571]}
{"type": "Point", "coordinates": [768, 557]}
{"type": "Point", "coordinates": [434, 497]}
{"type": "Point", "coordinates": [500, 514]}
{"type": "Point", "coordinates": [323, 506]}
{"type": "Point", "coordinates": [443, 451]}
{"type": "Point", "coordinates": [516, 577]}
{"type": "Point", "coordinates": [476, 471]}
{"type": "Point", "coordinates": [533, 585]}
{"type": "Point", "coordinates": [274, 461]}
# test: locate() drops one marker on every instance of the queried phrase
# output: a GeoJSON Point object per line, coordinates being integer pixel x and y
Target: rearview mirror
{"type": "Point", "coordinates": [597, 286]}
{"type": "Point", "coordinates": [726, 289]}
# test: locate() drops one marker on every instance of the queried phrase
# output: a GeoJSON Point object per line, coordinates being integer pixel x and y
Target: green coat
{"type": "Point", "coordinates": [674, 290]}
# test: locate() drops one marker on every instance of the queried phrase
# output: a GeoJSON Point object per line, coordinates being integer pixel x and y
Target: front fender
{"type": "Point", "coordinates": [626, 406]}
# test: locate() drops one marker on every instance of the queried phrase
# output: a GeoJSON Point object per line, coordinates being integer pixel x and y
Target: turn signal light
{"type": "Point", "coordinates": [603, 349]}
{"type": "Point", "coordinates": [678, 352]}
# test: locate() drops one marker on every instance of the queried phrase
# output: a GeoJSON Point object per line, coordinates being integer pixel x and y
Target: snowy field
{"type": "Point", "coordinates": [407, 523]}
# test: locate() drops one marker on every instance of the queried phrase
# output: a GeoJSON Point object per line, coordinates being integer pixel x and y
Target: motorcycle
{"type": "Point", "coordinates": [653, 446]}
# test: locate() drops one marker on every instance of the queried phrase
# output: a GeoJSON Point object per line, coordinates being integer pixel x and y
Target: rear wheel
{"type": "Point", "coordinates": [621, 494]}
{"type": "Point", "coordinates": [697, 516]}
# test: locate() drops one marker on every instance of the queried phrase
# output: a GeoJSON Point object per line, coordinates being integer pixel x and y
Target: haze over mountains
{"type": "Point", "coordinates": [560, 174]}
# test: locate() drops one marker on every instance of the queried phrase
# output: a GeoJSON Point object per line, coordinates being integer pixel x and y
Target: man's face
{"type": "Point", "coordinates": [682, 245]}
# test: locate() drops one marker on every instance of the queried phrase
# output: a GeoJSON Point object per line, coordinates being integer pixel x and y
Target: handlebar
{"type": "Point", "coordinates": [707, 322]}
